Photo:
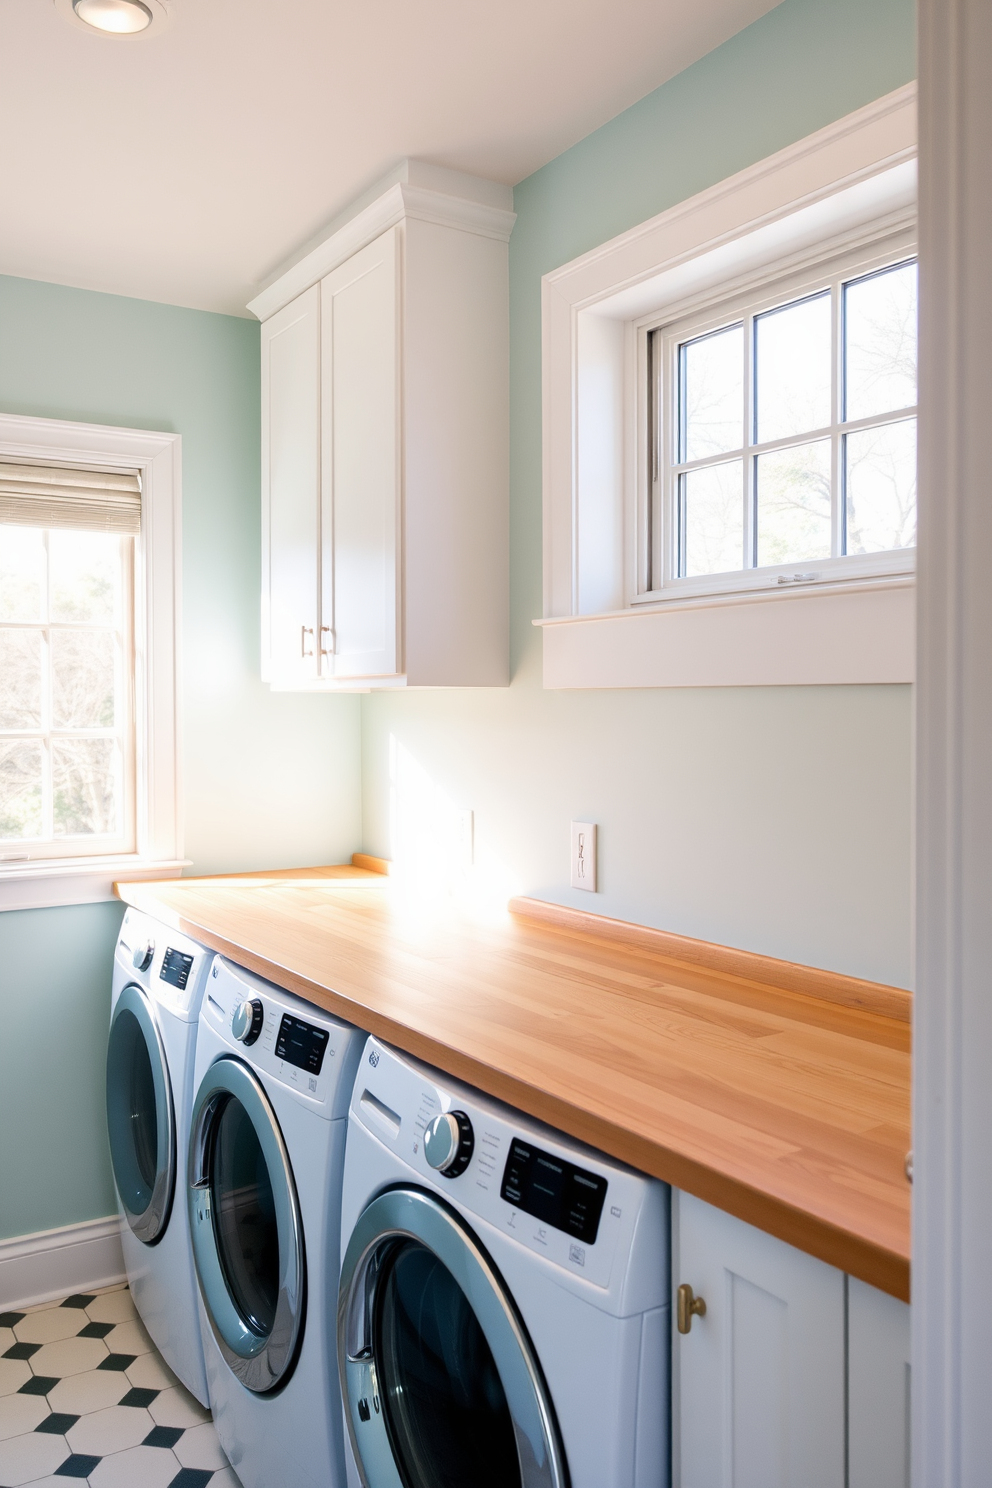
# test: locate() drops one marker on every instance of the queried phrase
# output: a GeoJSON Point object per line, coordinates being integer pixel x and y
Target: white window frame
{"type": "Point", "coordinates": [157, 650]}
{"type": "Point", "coordinates": [841, 190]}
{"type": "Point", "coordinates": [658, 491]}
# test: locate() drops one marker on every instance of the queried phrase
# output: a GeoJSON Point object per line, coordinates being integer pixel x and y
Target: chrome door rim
{"type": "Point", "coordinates": [261, 1362]}
{"type": "Point", "coordinates": [149, 1226]}
{"type": "Point", "coordinates": [413, 1214]}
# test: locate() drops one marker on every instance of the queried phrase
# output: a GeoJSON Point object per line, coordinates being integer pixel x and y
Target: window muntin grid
{"type": "Point", "coordinates": [839, 483]}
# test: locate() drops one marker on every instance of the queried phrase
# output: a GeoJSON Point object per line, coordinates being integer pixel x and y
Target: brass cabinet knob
{"type": "Point", "coordinates": [688, 1306]}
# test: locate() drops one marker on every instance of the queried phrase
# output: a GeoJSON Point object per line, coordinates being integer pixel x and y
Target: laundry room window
{"type": "Point", "coordinates": [786, 429]}
{"type": "Point", "coordinates": [67, 735]}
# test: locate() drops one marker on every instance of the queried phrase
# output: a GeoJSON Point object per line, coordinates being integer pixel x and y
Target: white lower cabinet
{"type": "Point", "coordinates": [878, 1388]}
{"type": "Point", "coordinates": [759, 1378]}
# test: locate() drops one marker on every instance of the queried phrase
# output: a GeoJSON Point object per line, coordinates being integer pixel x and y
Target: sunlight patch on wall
{"type": "Point", "coordinates": [428, 846]}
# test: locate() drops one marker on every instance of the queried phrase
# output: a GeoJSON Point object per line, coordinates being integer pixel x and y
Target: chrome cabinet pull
{"type": "Point", "coordinates": [688, 1307]}
{"type": "Point", "coordinates": [305, 630]}
{"type": "Point", "coordinates": [327, 650]}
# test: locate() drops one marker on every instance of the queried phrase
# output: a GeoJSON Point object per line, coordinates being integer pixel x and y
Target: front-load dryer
{"type": "Point", "coordinates": [503, 1314]}
{"type": "Point", "coordinates": [273, 1080]}
{"type": "Point", "coordinates": [158, 981]}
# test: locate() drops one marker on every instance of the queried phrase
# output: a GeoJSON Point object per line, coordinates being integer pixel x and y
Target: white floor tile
{"type": "Point", "coordinates": [199, 1447]}
{"type": "Point", "coordinates": [112, 1307]}
{"type": "Point", "coordinates": [71, 1356]}
{"type": "Point", "coordinates": [20, 1413]}
{"type": "Point", "coordinates": [129, 1338]}
{"type": "Point", "coordinates": [35, 1455]}
{"type": "Point", "coordinates": [111, 1430]}
{"type": "Point", "coordinates": [6, 1339]}
{"type": "Point", "coordinates": [176, 1407]}
{"type": "Point", "coordinates": [92, 1391]}
{"type": "Point", "coordinates": [50, 1325]}
{"type": "Point", "coordinates": [13, 1373]}
{"type": "Point", "coordinates": [150, 1372]}
{"type": "Point", "coordinates": [141, 1467]}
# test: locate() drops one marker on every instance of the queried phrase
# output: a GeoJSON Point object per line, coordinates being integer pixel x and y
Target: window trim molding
{"type": "Point", "coordinates": [829, 177]}
{"type": "Point", "coordinates": [158, 617]}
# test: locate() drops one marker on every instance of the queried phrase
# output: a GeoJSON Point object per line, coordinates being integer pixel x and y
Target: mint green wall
{"type": "Point", "coordinates": [270, 779]}
{"type": "Point", "coordinates": [774, 819]}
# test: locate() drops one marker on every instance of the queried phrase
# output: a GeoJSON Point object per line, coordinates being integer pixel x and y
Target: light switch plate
{"type": "Point", "coordinates": [584, 856]}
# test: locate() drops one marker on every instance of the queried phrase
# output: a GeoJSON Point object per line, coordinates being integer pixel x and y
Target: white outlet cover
{"type": "Point", "coordinates": [584, 856]}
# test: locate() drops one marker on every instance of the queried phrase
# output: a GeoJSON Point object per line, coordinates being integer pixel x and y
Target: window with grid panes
{"type": "Point", "coordinates": [786, 432]}
{"type": "Point", "coordinates": [67, 734]}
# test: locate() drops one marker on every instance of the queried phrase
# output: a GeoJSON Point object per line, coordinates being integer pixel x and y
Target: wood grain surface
{"type": "Point", "coordinates": [787, 1109]}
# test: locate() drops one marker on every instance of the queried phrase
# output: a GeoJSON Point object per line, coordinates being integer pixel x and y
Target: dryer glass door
{"type": "Point", "coordinates": [140, 1117]}
{"type": "Point", "coordinates": [246, 1227]}
{"type": "Point", "coordinates": [442, 1386]}
{"type": "Point", "coordinates": [245, 1217]}
{"type": "Point", "coordinates": [445, 1404]}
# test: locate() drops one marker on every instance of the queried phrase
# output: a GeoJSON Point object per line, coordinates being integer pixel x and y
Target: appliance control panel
{"type": "Point", "coordinates": [308, 1051]}
{"type": "Point", "coordinates": [554, 1196]}
{"type": "Point", "coordinates": [176, 967]}
{"type": "Point", "coordinates": [554, 1190]}
{"type": "Point", "coordinates": [172, 967]}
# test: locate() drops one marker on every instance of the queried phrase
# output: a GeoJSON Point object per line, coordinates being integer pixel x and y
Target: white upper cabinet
{"type": "Point", "coordinates": [360, 480]}
{"type": "Point", "coordinates": [385, 431]}
{"type": "Point", "coordinates": [291, 489]}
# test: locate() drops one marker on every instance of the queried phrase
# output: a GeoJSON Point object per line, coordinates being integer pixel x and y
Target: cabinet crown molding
{"type": "Point", "coordinates": [427, 193]}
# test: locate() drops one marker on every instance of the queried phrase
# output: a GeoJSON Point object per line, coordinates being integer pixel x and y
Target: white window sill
{"type": "Point", "coordinates": [809, 635]}
{"type": "Point", "coordinates": [54, 881]}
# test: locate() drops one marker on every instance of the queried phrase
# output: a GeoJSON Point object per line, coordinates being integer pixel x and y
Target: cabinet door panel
{"type": "Point", "coordinates": [878, 1388]}
{"type": "Point", "coordinates": [359, 359]}
{"type": "Point", "coordinates": [290, 490]}
{"type": "Point", "coordinates": [760, 1377]}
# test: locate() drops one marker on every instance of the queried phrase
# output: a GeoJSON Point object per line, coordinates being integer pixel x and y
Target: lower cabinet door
{"type": "Point", "coordinates": [878, 1388]}
{"type": "Point", "coordinates": [759, 1377]}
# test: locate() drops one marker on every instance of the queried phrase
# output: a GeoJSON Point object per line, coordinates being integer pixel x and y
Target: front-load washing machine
{"type": "Point", "coordinates": [273, 1080]}
{"type": "Point", "coordinates": [503, 1314]}
{"type": "Point", "coordinates": [158, 981]}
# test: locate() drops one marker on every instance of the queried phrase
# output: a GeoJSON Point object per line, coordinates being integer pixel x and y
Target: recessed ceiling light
{"type": "Point", "coordinates": [119, 17]}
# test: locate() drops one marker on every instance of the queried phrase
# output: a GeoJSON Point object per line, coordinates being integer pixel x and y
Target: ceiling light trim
{"type": "Point", "coordinates": [162, 16]}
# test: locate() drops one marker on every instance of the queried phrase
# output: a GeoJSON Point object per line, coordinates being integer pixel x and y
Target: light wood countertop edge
{"type": "Point", "coordinates": [787, 976]}
{"type": "Point", "coordinates": [877, 1265]}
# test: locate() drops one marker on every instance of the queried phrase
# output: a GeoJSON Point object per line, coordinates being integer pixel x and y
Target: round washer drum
{"type": "Point", "coordinates": [140, 1116]}
{"type": "Point", "coordinates": [441, 1384]}
{"type": "Point", "coordinates": [246, 1227]}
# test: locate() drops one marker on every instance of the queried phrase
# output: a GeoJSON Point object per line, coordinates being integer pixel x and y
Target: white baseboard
{"type": "Point", "coordinates": [56, 1263]}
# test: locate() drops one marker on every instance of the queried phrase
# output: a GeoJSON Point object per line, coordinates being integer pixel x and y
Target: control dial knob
{"type": "Point", "coordinates": [143, 953]}
{"type": "Point", "coordinates": [449, 1142]}
{"type": "Point", "coordinates": [246, 1024]}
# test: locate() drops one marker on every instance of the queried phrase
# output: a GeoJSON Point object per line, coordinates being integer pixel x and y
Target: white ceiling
{"type": "Point", "coordinates": [187, 166]}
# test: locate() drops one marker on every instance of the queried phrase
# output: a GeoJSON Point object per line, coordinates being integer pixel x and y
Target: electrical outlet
{"type": "Point", "coordinates": [466, 838]}
{"type": "Point", "coordinates": [584, 856]}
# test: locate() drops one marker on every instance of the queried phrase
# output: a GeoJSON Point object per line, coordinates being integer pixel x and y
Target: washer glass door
{"type": "Point", "coordinates": [246, 1227]}
{"type": "Point", "coordinates": [444, 1402]}
{"type": "Point", "coordinates": [442, 1385]}
{"type": "Point", "coordinates": [140, 1117]}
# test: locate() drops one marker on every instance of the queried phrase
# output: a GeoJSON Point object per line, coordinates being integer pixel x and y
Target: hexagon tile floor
{"type": "Point", "coordinates": [84, 1396]}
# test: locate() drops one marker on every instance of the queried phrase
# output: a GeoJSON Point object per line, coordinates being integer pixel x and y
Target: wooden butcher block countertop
{"type": "Point", "coordinates": [777, 1092]}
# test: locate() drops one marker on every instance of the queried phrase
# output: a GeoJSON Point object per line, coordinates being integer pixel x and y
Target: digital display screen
{"type": "Point", "coordinates": [301, 1044]}
{"type": "Point", "coordinates": [566, 1197]}
{"type": "Point", "coordinates": [175, 968]}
